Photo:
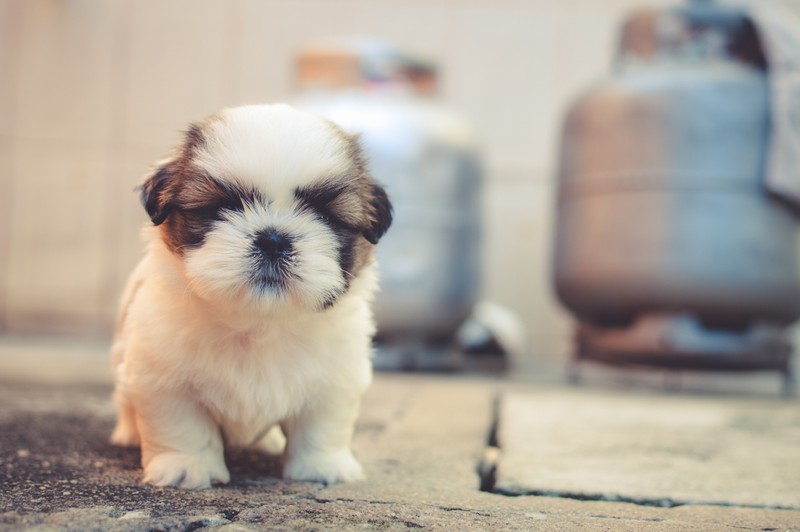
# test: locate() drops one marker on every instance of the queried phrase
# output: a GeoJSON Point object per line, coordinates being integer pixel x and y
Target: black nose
{"type": "Point", "coordinates": [272, 244]}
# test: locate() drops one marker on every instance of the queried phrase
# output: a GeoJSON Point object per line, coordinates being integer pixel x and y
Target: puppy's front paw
{"type": "Point", "coordinates": [340, 466]}
{"type": "Point", "coordinates": [190, 471]}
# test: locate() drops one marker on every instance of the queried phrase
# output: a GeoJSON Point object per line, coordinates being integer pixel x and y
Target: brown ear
{"type": "Point", "coordinates": [380, 214]}
{"type": "Point", "coordinates": [158, 190]}
{"type": "Point", "coordinates": [154, 193]}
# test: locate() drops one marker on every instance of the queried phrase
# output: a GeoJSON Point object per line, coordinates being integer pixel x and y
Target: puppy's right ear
{"type": "Point", "coordinates": [154, 194]}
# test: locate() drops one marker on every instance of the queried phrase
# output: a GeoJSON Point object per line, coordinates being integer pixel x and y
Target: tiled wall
{"type": "Point", "coordinates": [92, 92]}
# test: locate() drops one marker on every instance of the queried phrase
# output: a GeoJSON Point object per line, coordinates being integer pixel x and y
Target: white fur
{"type": "Point", "coordinates": [202, 361]}
{"type": "Point", "coordinates": [240, 149]}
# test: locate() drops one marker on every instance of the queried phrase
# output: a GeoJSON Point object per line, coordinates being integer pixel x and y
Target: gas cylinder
{"type": "Point", "coordinates": [427, 158]}
{"type": "Point", "coordinates": [668, 249]}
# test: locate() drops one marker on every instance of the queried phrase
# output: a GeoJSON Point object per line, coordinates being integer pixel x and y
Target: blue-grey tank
{"type": "Point", "coordinates": [661, 200]}
{"type": "Point", "coordinates": [426, 156]}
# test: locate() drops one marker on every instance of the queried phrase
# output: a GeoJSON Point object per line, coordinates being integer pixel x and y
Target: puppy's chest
{"type": "Point", "coordinates": [254, 381]}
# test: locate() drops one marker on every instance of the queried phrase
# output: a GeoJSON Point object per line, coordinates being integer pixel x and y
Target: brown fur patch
{"type": "Point", "coordinates": [354, 206]}
{"type": "Point", "coordinates": [185, 201]}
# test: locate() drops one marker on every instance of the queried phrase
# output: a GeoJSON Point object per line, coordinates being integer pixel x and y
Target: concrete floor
{"type": "Point", "coordinates": [422, 440]}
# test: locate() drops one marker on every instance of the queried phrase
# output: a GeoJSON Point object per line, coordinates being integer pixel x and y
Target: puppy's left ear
{"type": "Point", "coordinates": [380, 214]}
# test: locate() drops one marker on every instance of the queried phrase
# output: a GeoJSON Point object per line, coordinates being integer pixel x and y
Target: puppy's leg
{"type": "Point", "coordinates": [318, 440]}
{"type": "Point", "coordinates": [125, 433]}
{"type": "Point", "coordinates": [181, 445]}
{"type": "Point", "coordinates": [273, 442]}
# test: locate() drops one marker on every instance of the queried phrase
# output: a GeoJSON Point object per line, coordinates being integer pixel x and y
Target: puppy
{"type": "Point", "coordinates": [251, 306]}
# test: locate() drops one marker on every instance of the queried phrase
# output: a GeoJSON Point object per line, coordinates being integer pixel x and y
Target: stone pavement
{"type": "Point", "coordinates": [650, 448]}
{"type": "Point", "coordinates": [420, 438]}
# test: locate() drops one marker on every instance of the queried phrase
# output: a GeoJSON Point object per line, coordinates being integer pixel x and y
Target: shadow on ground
{"type": "Point", "coordinates": [54, 458]}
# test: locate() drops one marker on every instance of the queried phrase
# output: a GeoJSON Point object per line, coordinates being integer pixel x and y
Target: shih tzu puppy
{"type": "Point", "coordinates": [251, 309]}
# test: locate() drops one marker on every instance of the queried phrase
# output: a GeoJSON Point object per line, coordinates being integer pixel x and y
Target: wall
{"type": "Point", "coordinates": [95, 91]}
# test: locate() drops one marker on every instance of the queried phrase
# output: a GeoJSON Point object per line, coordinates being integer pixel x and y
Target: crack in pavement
{"type": "Point", "coordinates": [488, 464]}
{"type": "Point", "coordinates": [656, 503]}
{"type": "Point", "coordinates": [324, 500]}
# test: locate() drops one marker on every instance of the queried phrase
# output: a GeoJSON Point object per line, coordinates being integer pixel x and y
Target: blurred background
{"type": "Point", "coordinates": [93, 93]}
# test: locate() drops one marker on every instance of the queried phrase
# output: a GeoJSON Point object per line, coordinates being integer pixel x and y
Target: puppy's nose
{"type": "Point", "coordinates": [273, 244]}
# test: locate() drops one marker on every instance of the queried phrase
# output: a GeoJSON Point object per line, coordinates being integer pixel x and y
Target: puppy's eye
{"type": "Point", "coordinates": [326, 202]}
{"type": "Point", "coordinates": [214, 210]}
{"type": "Point", "coordinates": [321, 196]}
{"type": "Point", "coordinates": [330, 217]}
{"type": "Point", "coordinates": [335, 221]}
{"type": "Point", "coordinates": [231, 204]}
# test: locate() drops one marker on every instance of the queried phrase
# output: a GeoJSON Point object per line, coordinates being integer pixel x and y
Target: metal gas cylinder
{"type": "Point", "coordinates": [426, 156]}
{"type": "Point", "coordinates": [668, 249]}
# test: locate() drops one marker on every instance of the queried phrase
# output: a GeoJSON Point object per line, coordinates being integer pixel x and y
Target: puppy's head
{"type": "Point", "coordinates": [267, 207]}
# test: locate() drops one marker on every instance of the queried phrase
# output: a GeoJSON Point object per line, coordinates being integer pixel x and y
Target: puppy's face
{"type": "Point", "coordinates": [268, 207]}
